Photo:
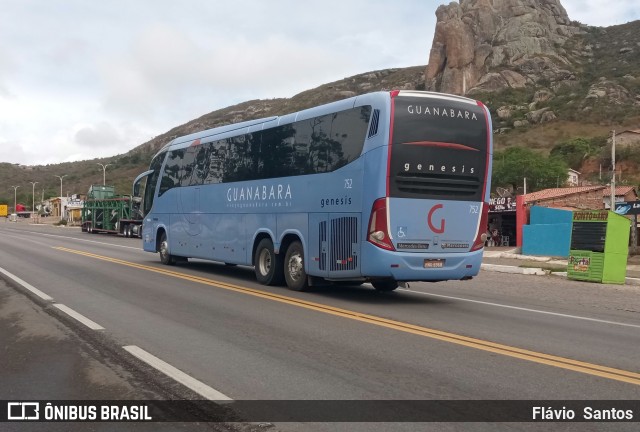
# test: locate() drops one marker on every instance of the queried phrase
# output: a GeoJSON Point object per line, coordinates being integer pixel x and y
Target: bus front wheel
{"type": "Point", "coordinates": [165, 257]}
{"type": "Point", "coordinates": [268, 264]}
{"type": "Point", "coordinates": [294, 273]}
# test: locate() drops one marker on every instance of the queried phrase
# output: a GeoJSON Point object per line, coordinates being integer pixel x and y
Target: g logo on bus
{"type": "Point", "coordinates": [437, 230]}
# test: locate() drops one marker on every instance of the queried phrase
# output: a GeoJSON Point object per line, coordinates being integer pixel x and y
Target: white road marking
{"type": "Point", "coordinates": [80, 240]}
{"type": "Point", "coordinates": [26, 285]}
{"type": "Point", "coordinates": [525, 309]}
{"type": "Point", "coordinates": [78, 316]}
{"type": "Point", "coordinates": [197, 386]}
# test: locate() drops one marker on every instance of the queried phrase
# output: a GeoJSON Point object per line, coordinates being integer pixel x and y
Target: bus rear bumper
{"type": "Point", "coordinates": [411, 266]}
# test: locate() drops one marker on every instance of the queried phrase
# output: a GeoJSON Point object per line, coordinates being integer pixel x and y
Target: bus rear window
{"type": "Point", "coordinates": [439, 149]}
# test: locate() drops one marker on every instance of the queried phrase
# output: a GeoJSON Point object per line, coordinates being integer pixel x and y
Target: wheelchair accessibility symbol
{"type": "Point", "coordinates": [402, 232]}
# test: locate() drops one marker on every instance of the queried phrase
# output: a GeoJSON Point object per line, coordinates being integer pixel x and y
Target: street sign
{"type": "Point", "coordinates": [628, 208]}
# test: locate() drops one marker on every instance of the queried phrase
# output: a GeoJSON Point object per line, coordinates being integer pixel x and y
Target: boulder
{"type": "Point", "coordinates": [505, 112]}
{"type": "Point", "coordinates": [487, 45]}
{"type": "Point", "coordinates": [536, 116]}
{"type": "Point", "coordinates": [543, 95]}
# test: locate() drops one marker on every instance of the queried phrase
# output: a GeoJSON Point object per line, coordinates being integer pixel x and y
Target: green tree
{"type": "Point", "coordinates": [513, 165]}
{"type": "Point", "coordinates": [574, 151]}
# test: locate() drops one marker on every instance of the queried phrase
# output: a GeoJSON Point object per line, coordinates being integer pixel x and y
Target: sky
{"type": "Point", "coordinates": [86, 79]}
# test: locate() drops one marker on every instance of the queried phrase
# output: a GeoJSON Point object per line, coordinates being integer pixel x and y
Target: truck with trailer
{"type": "Point", "coordinates": [105, 212]}
{"type": "Point", "coordinates": [21, 211]}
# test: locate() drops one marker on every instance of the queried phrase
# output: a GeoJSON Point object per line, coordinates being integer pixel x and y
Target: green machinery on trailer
{"type": "Point", "coordinates": [105, 212]}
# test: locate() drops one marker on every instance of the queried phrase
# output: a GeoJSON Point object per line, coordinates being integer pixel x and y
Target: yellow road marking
{"type": "Point", "coordinates": [523, 354]}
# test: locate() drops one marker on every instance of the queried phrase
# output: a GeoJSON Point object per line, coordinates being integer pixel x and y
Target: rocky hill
{"type": "Point", "coordinates": [545, 78]}
{"type": "Point", "coordinates": [533, 65]}
{"type": "Point", "coordinates": [485, 45]}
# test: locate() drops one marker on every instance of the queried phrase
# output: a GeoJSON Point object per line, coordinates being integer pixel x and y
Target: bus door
{"type": "Point", "coordinates": [187, 224]}
{"type": "Point", "coordinates": [189, 207]}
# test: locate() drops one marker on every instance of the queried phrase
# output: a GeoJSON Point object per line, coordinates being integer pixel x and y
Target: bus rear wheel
{"type": "Point", "coordinates": [385, 285]}
{"type": "Point", "coordinates": [268, 264]}
{"type": "Point", "coordinates": [294, 274]}
{"type": "Point", "coordinates": [165, 256]}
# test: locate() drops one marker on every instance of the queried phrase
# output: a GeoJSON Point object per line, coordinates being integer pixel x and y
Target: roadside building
{"type": "Point", "coordinates": [58, 204]}
{"type": "Point", "coordinates": [573, 178]}
{"type": "Point", "coordinates": [502, 222]}
{"type": "Point", "coordinates": [569, 198]}
{"type": "Point", "coordinates": [627, 138]}
{"type": "Point", "coordinates": [623, 193]}
{"type": "Point", "coordinates": [67, 208]}
{"type": "Point", "coordinates": [74, 209]}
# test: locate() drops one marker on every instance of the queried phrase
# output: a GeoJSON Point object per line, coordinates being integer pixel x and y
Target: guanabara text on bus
{"type": "Point", "coordinates": [386, 187]}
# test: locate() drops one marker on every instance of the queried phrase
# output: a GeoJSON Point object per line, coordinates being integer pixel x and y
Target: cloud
{"type": "Point", "coordinates": [165, 67]}
{"type": "Point", "coordinates": [7, 66]}
{"type": "Point", "coordinates": [98, 136]}
{"type": "Point", "coordinates": [602, 12]}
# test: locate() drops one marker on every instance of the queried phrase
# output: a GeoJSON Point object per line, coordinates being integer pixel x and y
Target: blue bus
{"type": "Point", "coordinates": [386, 188]}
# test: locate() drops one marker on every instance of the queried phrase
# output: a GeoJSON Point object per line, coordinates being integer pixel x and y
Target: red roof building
{"type": "Point", "coordinates": [581, 197]}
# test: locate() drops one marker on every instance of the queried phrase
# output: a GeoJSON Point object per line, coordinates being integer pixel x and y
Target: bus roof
{"type": "Point", "coordinates": [216, 131]}
{"type": "Point", "coordinates": [300, 115]}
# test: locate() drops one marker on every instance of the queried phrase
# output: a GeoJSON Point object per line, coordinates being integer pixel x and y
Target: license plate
{"type": "Point", "coordinates": [433, 263]}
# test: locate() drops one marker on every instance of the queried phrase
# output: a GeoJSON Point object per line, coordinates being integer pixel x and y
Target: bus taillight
{"type": "Point", "coordinates": [481, 235]}
{"type": "Point", "coordinates": [378, 231]}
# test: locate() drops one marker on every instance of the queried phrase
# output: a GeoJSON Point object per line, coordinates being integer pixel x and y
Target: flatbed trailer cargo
{"type": "Point", "coordinates": [104, 212]}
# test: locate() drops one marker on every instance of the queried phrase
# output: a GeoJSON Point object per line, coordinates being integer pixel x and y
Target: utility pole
{"type": "Point", "coordinates": [613, 171]}
{"type": "Point", "coordinates": [104, 172]}
{"type": "Point", "coordinates": [60, 177]}
{"type": "Point", "coordinates": [15, 198]}
{"type": "Point", "coordinates": [33, 199]}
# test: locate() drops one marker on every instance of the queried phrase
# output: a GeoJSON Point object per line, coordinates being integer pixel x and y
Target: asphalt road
{"type": "Point", "coordinates": [498, 336]}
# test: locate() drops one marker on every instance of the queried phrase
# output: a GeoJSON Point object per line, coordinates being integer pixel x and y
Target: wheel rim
{"type": "Point", "coordinates": [264, 262]}
{"type": "Point", "coordinates": [164, 249]}
{"type": "Point", "coordinates": [295, 267]}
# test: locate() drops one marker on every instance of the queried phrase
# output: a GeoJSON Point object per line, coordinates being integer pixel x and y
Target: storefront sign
{"type": "Point", "coordinates": [628, 208]}
{"type": "Point", "coordinates": [590, 216]}
{"type": "Point", "coordinates": [502, 204]}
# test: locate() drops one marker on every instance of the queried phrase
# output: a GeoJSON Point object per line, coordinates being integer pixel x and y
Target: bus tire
{"type": "Point", "coordinates": [385, 285]}
{"type": "Point", "coordinates": [294, 274]}
{"type": "Point", "coordinates": [165, 257]}
{"type": "Point", "coordinates": [268, 265]}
